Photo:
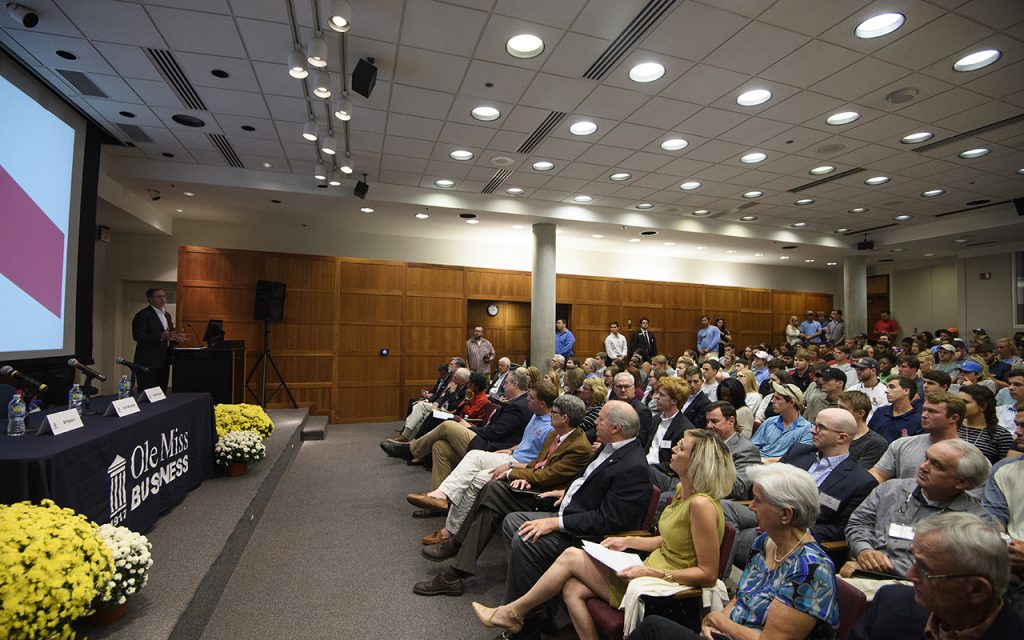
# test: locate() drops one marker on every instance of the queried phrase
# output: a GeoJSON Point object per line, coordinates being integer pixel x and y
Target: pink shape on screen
{"type": "Point", "coordinates": [31, 246]}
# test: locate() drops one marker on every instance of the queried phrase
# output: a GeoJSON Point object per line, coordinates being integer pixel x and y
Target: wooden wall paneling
{"type": "Point", "coordinates": [367, 339]}
{"type": "Point", "coordinates": [594, 316]}
{"type": "Point", "coordinates": [302, 305]}
{"type": "Point", "coordinates": [367, 404]}
{"type": "Point", "coordinates": [675, 342]}
{"type": "Point", "coordinates": [657, 315]}
{"type": "Point", "coordinates": [317, 397]}
{"type": "Point", "coordinates": [220, 302]}
{"type": "Point", "coordinates": [299, 272]}
{"type": "Point", "coordinates": [220, 266]}
{"type": "Point", "coordinates": [367, 308]}
{"type": "Point", "coordinates": [641, 293]}
{"type": "Point", "coordinates": [421, 370]}
{"type": "Point", "coordinates": [728, 298]}
{"type": "Point", "coordinates": [683, 296]}
{"type": "Point", "coordinates": [595, 290]}
{"type": "Point", "coordinates": [371, 277]}
{"type": "Point", "coordinates": [565, 287]}
{"type": "Point", "coordinates": [509, 331]}
{"type": "Point", "coordinates": [788, 303]}
{"type": "Point", "coordinates": [589, 341]}
{"type": "Point", "coordinates": [298, 368]}
{"type": "Point", "coordinates": [294, 337]}
{"type": "Point", "coordinates": [755, 300]}
{"type": "Point", "coordinates": [682, 320]}
{"type": "Point", "coordinates": [818, 302]}
{"type": "Point", "coordinates": [370, 370]}
{"type": "Point", "coordinates": [433, 340]}
{"type": "Point", "coordinates": [878, 285]}
{"type": "Point", "coordinates": [446, 282]}
{"type": "Point", "coordinates": [492, 284]}
{"type": "Point", "coordinates": [435, 312]}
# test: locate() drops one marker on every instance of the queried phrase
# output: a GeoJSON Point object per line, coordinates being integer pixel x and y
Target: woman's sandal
{"type": "Point", "coordinates": [486, 618]}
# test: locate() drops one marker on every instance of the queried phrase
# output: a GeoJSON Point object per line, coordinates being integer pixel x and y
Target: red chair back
{"type": "Point", "coordinates": [487, 411]}
{"type": "Point", "coordinates": [652, 509]}
{"type": "Point", "coordinates": [852, 605]}
{"type": "Point", "coordinates": [725, 551]}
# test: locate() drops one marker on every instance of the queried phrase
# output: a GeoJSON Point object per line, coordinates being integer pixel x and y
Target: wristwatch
{"type": "Point", "coordinates": [668, 576]}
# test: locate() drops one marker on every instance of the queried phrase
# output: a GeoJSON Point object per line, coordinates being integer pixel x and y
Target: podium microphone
{"type": "Point", "coordinates": [137, 368]}
{"type": "Point", "coordinates": [10, 372]}
{"type": "Point", "coordinates": [89, 371]}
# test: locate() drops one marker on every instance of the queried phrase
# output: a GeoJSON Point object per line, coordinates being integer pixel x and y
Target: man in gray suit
{"type": "Point", "coordinates": [722, 422]}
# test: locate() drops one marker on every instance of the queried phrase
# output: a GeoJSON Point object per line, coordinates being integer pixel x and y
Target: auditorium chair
{"type": "Point", "coordinates": [852, 605]}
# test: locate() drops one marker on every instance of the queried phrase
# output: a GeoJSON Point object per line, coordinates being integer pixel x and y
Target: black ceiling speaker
{"type": "Point", "coordinates": [364, 77]}
{"type": "Point", "coordinates": [865, 245]}
{"type": "Point", "coordinates": [1019, 204]}
{"type": "Point", "coordinates": [361, 188]}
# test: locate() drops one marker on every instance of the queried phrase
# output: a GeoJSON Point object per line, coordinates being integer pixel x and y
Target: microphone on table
{"type": "Point", "coordinates": [137, 368]}
{"type": "Point", "coordinates": [10, 372]}
{"type": "Point", "coordinates": [87, 370]}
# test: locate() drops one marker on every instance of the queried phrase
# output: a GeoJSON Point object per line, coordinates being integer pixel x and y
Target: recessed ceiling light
{"type": "Point", "coordinates": [690, 185]}
{"type": "Point", "coordinates": [366, 210]}
{"type": "Point", "coordinates": [1020, 172]}
{"type": "Point", "coordinates": [753, 158]}
{"type": "Point", "coordinates": [674, 144]}
{"type": "Point", "coordinates": [700, 213]}
{"type": "Point", "coordinates": [748, 218]}
{"type": "Point", "coordinates": [180, 210]}
{"type": "Point", "coordinates": [518, 226]}
{"type": "Point", "coordinates": [619, 177]}
{"type": "Point", "coordinates": [974, 153]}
{"type": "Point", "coordinates": [524, 45]}
{"type": "Point", "coordinates": [931, 193]}
{"type": "Point", "coordinates": [783, 257]}
{"type": "Point", "coordinates": [486, 114]}
{"type": "Point", "coordinates": [798, 225]}
{"type": "Point", "coordinates": [877, 180]}
{"type": "Point", "coordinates": [596, 235]}
{"type": "Point", "coordinates": [583, 199]}
{"type": "Point", "coordinates": [422, 216]}
{"type": "Point", "coordinates": [822, 170]}
{"type": "Point", "coordinates": [701, 248]}
{"type": "Point", "coordinates": [898, 250]}
{"type": "Point", "coordinates": [758, 255]}
{"type": "Point", "coordinates": [808, 259]}
{"type": "Point", "coordinates": [644, 205]}
{"type": "Point", "coordinates": [857, 210]}
{"type": "Point", "coordinates": [754, 97]}
{"type": "Point", "coordinates": [444, 183]}
{"type": "Point", "coordinates": [831, 264]}
{"type": "Point", "coordinates": [543, 165]}
{"type": "Point", "coordinates": [753, 194]}
{"type": "Point", "coordinates": [961, 240]}
{"type": "Point", "coordinates": [914, 138]}
{"type": "Point", "coordinates": [634, 239]}
{"type": "Point", "coordinates": [903, 217]}
{"type": "Point", "coordinates": [977, 60]}
{"type": "Point", "coordinates": [804, 201]}
{"type": "Point", "coordinates": [843, 117]}
{"type": "Point", "coordinates": [841, 230]}
{"type": "Point", "coordinates": [669, 244]}
{"type": "Point", "coordinates": [929, 254]}
{"type": "Point", "coordinates": [472, 222]}
{"type": "Point", "coordinates": [189, 194]}
{"type": "Point", "coordinates": [266, 165]}
{"type": "Point", "coordinates": [730, 251]}
{"type": "Point", "coordinates": [582, 128]}
{"type": "Point", "coordinates": [515, 191]}
{"type": "Point", "coordinates": [880, 25]}
{"type": "Point", "coordinates": [461, 154]}
{"type": "Point", "coordinates": [646, 72]}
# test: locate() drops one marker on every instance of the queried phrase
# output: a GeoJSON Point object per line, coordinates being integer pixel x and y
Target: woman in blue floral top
{"type": "Point", "coordinates": [788, 590]}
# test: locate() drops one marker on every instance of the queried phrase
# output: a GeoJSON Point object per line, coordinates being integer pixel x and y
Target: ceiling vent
{"type": "Point", "coordinates": [620, 47]}
{"type": "Point", "coordinates": [541, 132]}
{"type": "Point", "coordinates": [977, 208]}
{"type": "Point", "coordinates": [970, 134]}
{"type": "Point", "coordinates": [82, 83]}
{"type": "Point", "coordinates": [226, 150]}
{"type": "Point", "coordinates": [164, 61]}
{"type": "Point", "coordinates": [496, 181]}
{"type": "Point", "coordinates": [818, 183]}
{"type": "Point", "coordinates": [134, 133]}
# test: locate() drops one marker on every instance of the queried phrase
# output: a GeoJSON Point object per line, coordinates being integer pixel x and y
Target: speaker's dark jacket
{"type": "Point", "coordinates": [150, 350]}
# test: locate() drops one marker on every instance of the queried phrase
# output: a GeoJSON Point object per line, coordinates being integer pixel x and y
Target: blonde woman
{"type": "Point", "coordinates": [749, 380]}
{"type": "Point", "coordinates": [793, 332]}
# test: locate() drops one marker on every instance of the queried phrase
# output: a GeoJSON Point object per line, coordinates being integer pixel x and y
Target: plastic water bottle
{"type": "Point", "coordinates": [76, 398]}
{"type": "Point", "coordinates": [124, 388]}
{"type": "Point", "coordinates": [16, 416]}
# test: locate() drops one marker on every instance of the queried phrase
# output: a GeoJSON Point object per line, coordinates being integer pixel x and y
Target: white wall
{"type": "Point", "coordinates": [924, 299]}
{"type": "Point", "coordinates": [989, 303]}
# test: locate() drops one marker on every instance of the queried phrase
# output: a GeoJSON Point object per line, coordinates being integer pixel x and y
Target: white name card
{"type": "Point", "coordinates": [62, 422]}
{"type": "Point", "coordinates": [154, 394]}
{"type": "Point", "coordinates": [123, 408]}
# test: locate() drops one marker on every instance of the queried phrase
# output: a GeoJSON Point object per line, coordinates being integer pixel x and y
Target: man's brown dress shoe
{"type": "Point", "coordinates": [425, 501]}
{"type": "Point", "coordinates": [445, 583]}
{"type": "Point", "coordinates": [438, 536]}
{"type": "Point", "coordinates": [441, 551]}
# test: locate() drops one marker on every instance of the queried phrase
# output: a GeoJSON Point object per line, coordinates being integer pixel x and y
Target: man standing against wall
{"type": "Point", "coordinates": [564, 340]}
{"type": "Point", "coordinates": [708, 337]}
{"type": "Point", "coordinates": [644, 342]}
{"type": "Point", "coordinates": [615, 343]}
{"type": "Point", "coordinates": [479, 351]}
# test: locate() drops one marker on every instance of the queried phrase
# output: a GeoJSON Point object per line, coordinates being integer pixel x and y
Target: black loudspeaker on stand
{"type": "Point", "coordinates": [269, 308]}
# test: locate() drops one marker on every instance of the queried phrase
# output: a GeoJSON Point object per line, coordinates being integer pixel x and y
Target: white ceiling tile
{"type": "Point", "coordinates": [553, 148]}
{"type": "Point", "coordinates": [655, 181]}
{"type": "Point", "coordinates": [557, 14]}
{"type": "Point", "coordinates": [866, 156]}
{"type": "Point", "coordinates": [525, 119]}
{"type": "Point", "coordinates": [44, 48]}
{"type": "Point", "coordinates": [450, 170]}
{"type": "Point", "coordinates": [382, 23]}
{"type": "Point", "coordinates": [557, 93]}
{"type": "Point", "coordinates": [129, 61]}
{"type": "Point", "coordinates": [811, 63]}
{"type": "Point", "coordinates": [780, 92]}
{"type": "Point", "coordinates": [710, 122]}
{"type": "Point", "coordinates": [255, 146]}
{"type": "Point", "coordinates": [574, 54]}
{"type": "Point", "coordinates": [213, 34]}
{"type": "Point", "coordinates": [441, 27]}
{"type": "Point", "coordinates": [374, 142]}
{"type": "Point", "coordinates": [399, 146]}
{"type": "Point", "coordinates": [604, 125]}
{"type": "Point", "coordinates": [413, 127]}
{"type": "Point", "coordinates": [643, 161]}
{"type": "Point", "coordinates": [508, 83]}
{"type": "Point", "coordinates": [567, 184]}
{"type": "Point", "coordinates": [693, 31]}
{"type": "Point", "coordinates": [682, 167]}
{"type": "Point", "coordinates": [754, 131]}
{"type": "Point", "coordinates": [634, 192]}
{"type": "Point", "coordinates": [810, 18]}
{"type": "Point", "coordinates": [430, 69]}
{"type": "Point", "coordinates": [611, 102]}
{"type": "Point", "coordinates": [1001, 82]}
{"type": "Point", "coordinates": [274, 79]}
{"type": "Point", "coordinates": [499, 29]}
{"type": "Point", "coordinates": [384, 54]}
{"type": "Point", "coordinates": [582, 170]}
{"type": "Point", "coordinates": [801, 107]}
{"type": "Point", "coordinates": [420, 102]}
{"type": "Point", "coordinates": [607, 156]}
{"type": "Point", "coordinates": [114, 87]}
{"type": "Point", "coordinates": [864, 76]}
{"type": "Point", "coordinates": [266, 41]}
{"type": "Point", "coordinates": [110, 111]}
{"type": "Point", "coordinates": [288, 109]}
{"type": "Point", "coordinates": [663, 112]}
{"type": "Point", "coordinates": [194, 140]}
{"type": "Point", "coordinates": [770, 44]}
{"type": "Point", "coordinates": [889, 129]}
{"type": "Point", "coordinates": [506, 141]}
{"type": "Point", "coordinates": [463, 106]}
{"type": "Point", "coordinates": [397, 177]}
{"type": "Point", "coordinates": [619, 75]}
{"type": "Point", "coordinates": [111, 21]}
{"type": "Point", "coordinates": [917, 12]}
{"type": "Point", "coordinates": [943, 106]}
{"type": "Point", "coordinates": [606, 18]}
{"type": "Point", "coordinates": [704, 84]}
{"type": "Point", "coordinates": [719, 151]}
{"type": "Point", "coordinates": [718, 173]}
{"type": "Point", "coordinates": [265, 129]}
{"type": "Point", "coordinates": [239, 103]}
{"type": "Point", "coordinates": [939, 38]}
{"type": "Point", "coordinates": [981, 115]}
{"type": "Point", "coordinates": [466, 135]}
{"type": "Point", "coordinates": [631, 136]}
{"type": "Point", "coordinates": [994, 13]}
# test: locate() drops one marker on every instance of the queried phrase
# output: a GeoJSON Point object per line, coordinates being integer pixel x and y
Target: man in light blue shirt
{"type": "Point", "coordinates": [564, 340]}
{"type": "Point", "coordinates": [810, 329]}
{"type": "Point", "coordinates": [708, 337]}
{"type": "Point", "coordinates": [778, 433]}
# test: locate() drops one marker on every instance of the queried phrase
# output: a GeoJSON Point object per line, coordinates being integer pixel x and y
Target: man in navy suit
{"type": "Point", "coordinates": [153, 331]}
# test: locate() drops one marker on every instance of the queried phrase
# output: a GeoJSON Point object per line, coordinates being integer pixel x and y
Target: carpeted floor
{"type": "Point", "coordinates": [336, 553]}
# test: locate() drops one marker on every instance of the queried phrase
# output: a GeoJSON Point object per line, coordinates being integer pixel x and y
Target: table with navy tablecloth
{"type": "Point", "coordinates": [121, 470]}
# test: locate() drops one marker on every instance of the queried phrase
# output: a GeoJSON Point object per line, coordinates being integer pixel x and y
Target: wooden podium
{"type": "Point", "coordinates": [219, 371]}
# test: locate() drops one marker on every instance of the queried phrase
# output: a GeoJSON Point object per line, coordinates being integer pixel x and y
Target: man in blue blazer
{"type": "Point", "coordinates": [665, 428]}
{"type": "Point", "coordinates": [153, 331]}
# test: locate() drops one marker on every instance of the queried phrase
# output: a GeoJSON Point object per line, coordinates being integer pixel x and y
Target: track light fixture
{"type": "Point", "coordinates": [343, 108]}
{"type": "Point", "coordinates": [311, 131]}
{"type": "Point", "coordinates": [346, 166]}
{"type": "Point", "coordinates": [340, 17]}
{"type": "Point", "coordinates": [329, 145]}
{"type": "Point", "coordinates": [29, 19]}
{"type": "Point", "coordinates": [335, 179]}
{"type": "Point", "coordinates": [297, 64]}
{"type": "Point", "coordinates": [316, 52]}
{"type": "Point", "coordinates": [321, 84]}
{"type": "Point", "coordinates": [320, 172]}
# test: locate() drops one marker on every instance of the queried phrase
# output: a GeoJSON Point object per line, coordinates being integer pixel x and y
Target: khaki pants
{"type": "Point", "coordinates": [448, 443]}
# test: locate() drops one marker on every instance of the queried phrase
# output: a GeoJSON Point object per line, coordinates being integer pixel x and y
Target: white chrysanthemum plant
{"type": "Point", "coordinates": [240, 447]}
{"type": "Point", "coordinates": [132, 559]}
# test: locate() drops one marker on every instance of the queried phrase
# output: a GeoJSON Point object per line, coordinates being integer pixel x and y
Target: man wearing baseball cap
{"type": "Point", "coordinates": [867, 374]}
{"type": "Point", "coordinates": [779, 432]}
{"type": "Point", "coordinates": [760, 366]}
{"type": "Point", "coordinates": [833, 383]}
{"type": "Point", "coordinates": [947, 360]}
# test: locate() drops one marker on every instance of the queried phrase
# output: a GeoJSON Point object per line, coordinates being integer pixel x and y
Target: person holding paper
{"type": "Point", "coordinates": [686, 552]}
{"type": "Point", "coordinates": [452, 396]}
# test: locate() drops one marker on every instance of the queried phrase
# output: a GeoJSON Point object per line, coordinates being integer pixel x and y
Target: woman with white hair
{"type": "Point", "coordinates": [788, 588]}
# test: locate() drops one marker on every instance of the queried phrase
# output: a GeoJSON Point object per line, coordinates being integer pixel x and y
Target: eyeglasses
{"type": "Point", "coordinates": [821, 427]}
{"type": "Point", "coordinates": [623, 386]}
{"type": "Point", "coordinates": [556, 412]}
{"type": "Point", "coordinates": [940, 576]}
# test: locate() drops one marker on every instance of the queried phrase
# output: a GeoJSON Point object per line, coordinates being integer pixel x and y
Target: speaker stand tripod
{"type": "Point", "coordinates": [264, 360]}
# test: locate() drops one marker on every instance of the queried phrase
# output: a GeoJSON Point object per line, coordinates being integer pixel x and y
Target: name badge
{"type": "Point", "coordinates": [666, 444]}
{"type": "Point", "coordinates": [62, 422]}
{"type": "Point", "coordinates": [826, 500]}
{"type": "Point", "coordinates": [122, 408]}
{"type": "Point", "coordinates": [901, 531]}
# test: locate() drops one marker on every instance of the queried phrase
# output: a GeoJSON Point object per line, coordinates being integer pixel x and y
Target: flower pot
{"type": "Point", "coordinates": [237, 469]}
{"type": "Point", "coordinates": [107, 613]}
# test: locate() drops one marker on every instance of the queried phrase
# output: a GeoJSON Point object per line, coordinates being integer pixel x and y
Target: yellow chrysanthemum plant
{"type": "Point", "coordinates": [242, 417]}
{"type": "Point", "coordinates": [54, 566]}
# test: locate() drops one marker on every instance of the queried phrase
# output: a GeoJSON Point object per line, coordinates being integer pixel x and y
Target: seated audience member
{"type": "Point", "coordinates": [753, 398]}
{"type": "Point", "coordinates": [497, 385]}
{"type": "Point", "coordinates": [563, 455]}
{"type": "Point", "coordinates": [901, 417]}
{"type": "Point", "coordinates": [833, 382]}
{"type": "Point", "coordinates": [572, 380]}
{"type": "Point", "coordinates": [868, 382]}
{"type": "Point", "coordinates": [973, 371]}
{"type": "Point", "coordinates": [473, 471]}
{"type": "Point", "coordinates": [909, 366]}
{"type": "Point", "coordinates": [788, 587]}
{"type": "Point", "coordinates": [947, 361]}
{"type": "Point", "coordinates": [695, 407]}
{"type": "Point", "coordinates": [1004, 500]}
{"type": "Point", "coordinates": [881, 529]}
{"type": "Point", "coordinates": [624, 390]}
{"type": "Point", "coordinates": [709, 372]}
{"type": "Point", "coordinates": [764, 409]}
{"type": "Point", "coordinates": [649, 398]}
{"type": "Point", "coordinates": [721, 419]}
{"type": "Point", "coordinates": [444, 377]}
{"type": "Point", "coordinates": [936, 381]}
{"type": "Point", "coordinates": [592, 367]}
{"type": "Point", "coordinates": [594, 394]}
{"type": "Point", "coordinates": [611, 495]}
{"type": "Point", "coordinates": [980, 426]}
{"type": "Point", "coordinates": [447, 401]}
{"type": "Point", "coordinates": [778, 433]}
{"type": "Point", "coordinates": [1007, 413]}
{"type": "Point", "coordinates": [959, 574]}
{"type": "Point", "coordinates": [941, 417]}
{"type": "Point", "coordinates": [667, 425]}
{"type": "Point", "coordinates": [534, 374]}
{"type": "Point", "coordinates": [760, 366]}
{"type": "Point", "coordinates": [867, 447]}
{"type": "Point", "coordinates": [450, 441]}
{"type": "Point", "coordinates": [731, 391]}
{"type": "Point", "coordinates": [686, 551]}
{"type": "Point", "coordinates": [802, 373]}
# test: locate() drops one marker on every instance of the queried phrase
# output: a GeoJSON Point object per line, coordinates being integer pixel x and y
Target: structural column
{"type": "Point", "coordinates": [855, 295]}
{"type": "Point", "coordinates": [542, 300]}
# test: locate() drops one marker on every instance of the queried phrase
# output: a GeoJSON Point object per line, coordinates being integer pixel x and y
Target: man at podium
{"type": "Point", "coordinates": [153, 331]}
